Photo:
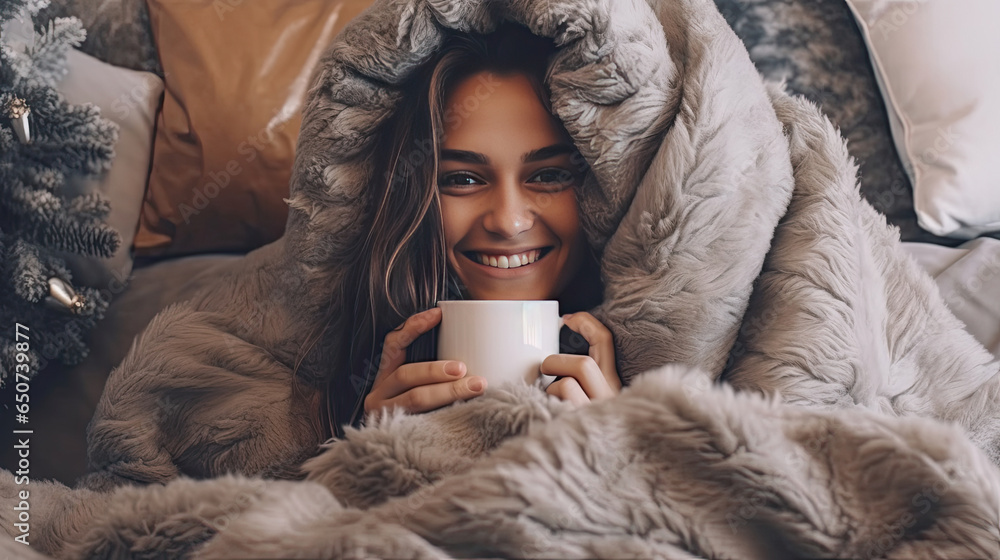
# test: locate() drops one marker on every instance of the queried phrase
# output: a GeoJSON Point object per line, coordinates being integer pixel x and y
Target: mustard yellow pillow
{"type": "Point", "coordinates": [236, 75]}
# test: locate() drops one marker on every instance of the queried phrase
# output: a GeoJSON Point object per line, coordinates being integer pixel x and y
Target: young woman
{"type": "Point", "coordinates": [479, 203]}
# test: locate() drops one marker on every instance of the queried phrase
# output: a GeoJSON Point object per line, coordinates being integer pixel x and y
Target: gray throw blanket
{"type": "Point", "coordinates": [671, 468]}
{"type": "Point", "coordinates": [826, 403]}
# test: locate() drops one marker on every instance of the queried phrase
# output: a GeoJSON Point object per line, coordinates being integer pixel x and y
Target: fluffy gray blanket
{"type": "Point", "coordinates": [671, 468]}
{"type": "Point", "coordinates": [829, 404]}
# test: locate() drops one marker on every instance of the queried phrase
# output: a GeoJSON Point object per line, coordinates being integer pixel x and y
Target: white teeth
{"type": "Point", "coordinates": [511, 261]}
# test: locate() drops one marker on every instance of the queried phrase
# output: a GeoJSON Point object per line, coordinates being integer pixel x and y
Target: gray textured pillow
{"type": "Point", "coordinates": [816, 46]}
{"type": "Point", "coordinates": [130, 99]}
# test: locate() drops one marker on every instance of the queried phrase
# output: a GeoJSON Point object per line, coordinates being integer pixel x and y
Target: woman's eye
{"type": "Point", "coordinates": [458, 180]}
{"type": "Point", "coordinates": [556, 177]}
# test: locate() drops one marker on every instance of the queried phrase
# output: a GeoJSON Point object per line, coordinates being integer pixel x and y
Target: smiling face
{"type": "Point", "coordinates": [506, 179]}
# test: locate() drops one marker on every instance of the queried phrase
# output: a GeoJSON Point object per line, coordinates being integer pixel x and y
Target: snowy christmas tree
{"type": "Point", "coordinates": [43, 141]}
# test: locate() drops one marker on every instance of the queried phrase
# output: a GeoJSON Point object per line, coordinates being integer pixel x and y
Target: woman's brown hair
{"type": "Point", "coordinates": [402, 268]}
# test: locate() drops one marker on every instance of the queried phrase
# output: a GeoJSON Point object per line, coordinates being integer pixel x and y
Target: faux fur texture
{"type": "Point", "coordinates": [733, 240]}
{"type": "Point", "coordinates": [674, 467]}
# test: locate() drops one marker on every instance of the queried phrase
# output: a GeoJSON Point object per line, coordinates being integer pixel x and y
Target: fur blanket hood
{"type": "Point", "coordinates": [827, 403]}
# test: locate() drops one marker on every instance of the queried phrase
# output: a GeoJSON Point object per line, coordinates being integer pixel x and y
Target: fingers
{"type": "Point", "coordinates": [429, 397]}
{"type": "Point", "coordinates": [568, 389]}
{"type": "Point", "coordinates": [421, 386]}
{"type": "Point", "coordinates": [396, 342]}
{"type": "Point", "coordinates": [408, 376]}
{"type": "Point", "coordinates": [601, 341]}
{"type": "Point", "coordinates": [583, 369]}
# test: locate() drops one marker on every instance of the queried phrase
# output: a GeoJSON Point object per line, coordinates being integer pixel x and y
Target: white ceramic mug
{"type": "Point", "coordinates": [500, 340]}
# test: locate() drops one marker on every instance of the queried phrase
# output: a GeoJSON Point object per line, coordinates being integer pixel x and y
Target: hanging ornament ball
{"type": "Point", "coordinates": [18, 111]}
{"type": "Point", "coordinates": [63, 297]}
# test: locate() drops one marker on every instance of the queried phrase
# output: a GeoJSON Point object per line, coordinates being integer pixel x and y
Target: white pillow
{"type": "Point", "coordinates": [131, 99]}
{"type": "Point", "coordinates": [936, 62]}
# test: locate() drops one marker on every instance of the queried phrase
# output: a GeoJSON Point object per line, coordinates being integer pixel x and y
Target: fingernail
{"type": "Point", "coordinates": [477, 384]}
{"type": "Point", "coordinates": [453, 368]}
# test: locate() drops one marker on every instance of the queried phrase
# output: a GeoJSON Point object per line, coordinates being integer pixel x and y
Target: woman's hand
{"type": "Point", "coordinates": [421, 386]}
{"type": "Point", "coordinates": [585, 378]}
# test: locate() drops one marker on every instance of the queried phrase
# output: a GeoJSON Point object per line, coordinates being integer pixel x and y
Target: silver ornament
{"type": "Point", "coordinates": [18, 112]}
{"type": "Point", "coordinates": [63, 297]}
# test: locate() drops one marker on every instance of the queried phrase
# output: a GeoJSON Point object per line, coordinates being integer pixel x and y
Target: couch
{"type": "Point", "coordinates": [818, 47]}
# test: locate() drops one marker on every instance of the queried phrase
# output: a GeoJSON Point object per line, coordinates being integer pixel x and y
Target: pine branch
{"type": "Point", "coordinates": [27, 275]}
{"type": "Point", "coordinates": [50, 180]}
{"type": "Point", "coordinates": [24, 206]}
{"type": "Point", "coordinates": [79, 141]}
{"type": "Point", "coordinates": [6, 143]}
{"type": "Point", "coordinates": [89, 207]}
{"type": "Point", "coordinates": [67, 234]}
{"type": "Point", "coordinates": [40, 218]}
{"type": "Point", "coordinates": [11, 9]}
{"type": "Point", "coordinates": [35, 6]}
{"type": "Point", "coordinates": [64, 333]}
{"type": "Point", "coordinates": [55, 265]}
{"type": "Point", "coordinates": [36, 222]}
{"type": "Point", "coordinates": [55, 334]}
{"type": "Point", "coordinates": [48, 54]}
{"type": "Point", "coordinates": [18, 61]}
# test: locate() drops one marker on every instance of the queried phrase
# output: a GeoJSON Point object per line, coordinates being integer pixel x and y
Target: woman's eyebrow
{"type": "Point", "coordinates": [464, 156]}
{"type": "Point", "coordinates": [547, 152]}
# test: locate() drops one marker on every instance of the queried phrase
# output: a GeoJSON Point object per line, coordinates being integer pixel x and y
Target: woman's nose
{"type": "Point", "coordinates": [511, 211]}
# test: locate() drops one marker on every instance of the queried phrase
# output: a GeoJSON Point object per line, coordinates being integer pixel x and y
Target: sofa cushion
{"type": "Point", "coordinates": [935, 64]}
{"type": "Point", "coordinates": [236, 75]}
